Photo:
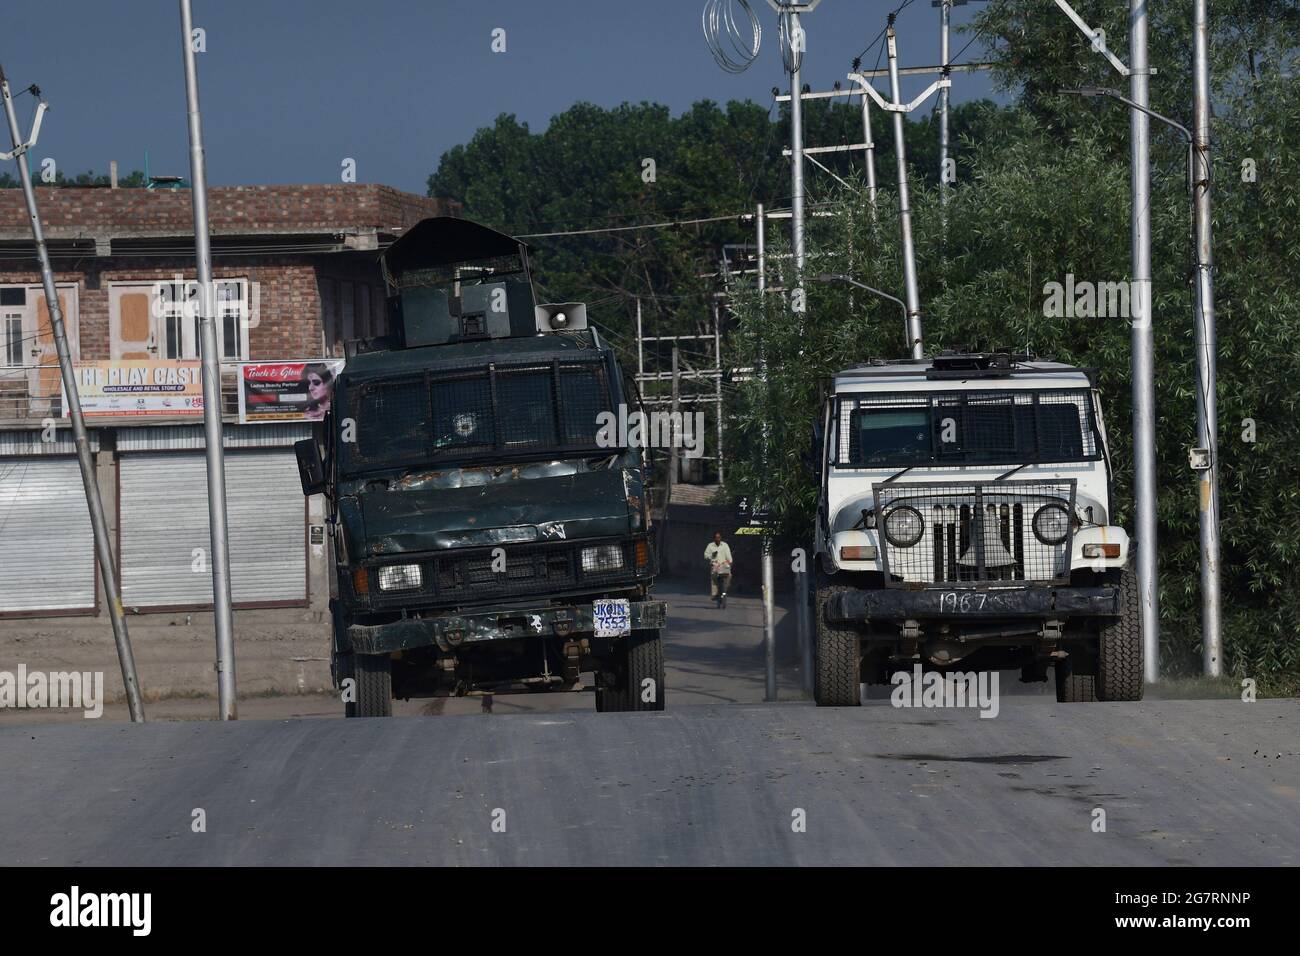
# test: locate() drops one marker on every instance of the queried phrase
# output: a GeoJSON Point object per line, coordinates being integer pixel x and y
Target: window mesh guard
{"type": "Point", "coordinates": [475, 412]}
{"type": "Point", "coordinates": [1012, 427]}
{"type": "Point", "coordinates": [977, 532]}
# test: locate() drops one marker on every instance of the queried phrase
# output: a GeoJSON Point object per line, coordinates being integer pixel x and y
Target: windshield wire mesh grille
{"type": "Point", "coordinates": [545, 407]}
{"type": "Point", "coordinates": [955, 428]}
{"type": "Point", "coordinates": [975, 533]}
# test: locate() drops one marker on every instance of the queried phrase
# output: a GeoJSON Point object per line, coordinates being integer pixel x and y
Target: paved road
{"type": "Point", "coordinates": [1181, 782]}
{"type": "Point", "coordinates": [720, 778]}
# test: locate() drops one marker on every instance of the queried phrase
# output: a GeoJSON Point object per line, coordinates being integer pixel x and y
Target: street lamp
{"type": "Point", "coordinates": [835, 277]}
{"type": "Point", "coordinates": [1098, 91]}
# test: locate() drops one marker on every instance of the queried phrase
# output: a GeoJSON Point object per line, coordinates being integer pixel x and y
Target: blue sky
{"type": "Point", "coordinates": [289, 88]}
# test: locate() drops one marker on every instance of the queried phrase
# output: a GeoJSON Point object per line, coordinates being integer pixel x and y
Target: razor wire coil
{"type": "Point", "coordinates": [726, 34]}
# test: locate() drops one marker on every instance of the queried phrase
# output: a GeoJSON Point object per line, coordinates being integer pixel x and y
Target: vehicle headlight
{"type": "Point", "coordinates": [1051, 524]}
{"type": "Point", "coordinates": [400, 577]}
{"type": "Point", "coordinates": [903, 526]}
{"type": "Point", "coordinates": [603, 557]}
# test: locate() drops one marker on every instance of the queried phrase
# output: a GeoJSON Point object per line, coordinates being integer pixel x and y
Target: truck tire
{"type": "Point", "coordinates": [641, 660]}
{"type": "Point", "coordinates": [1071, 687]}
{"type": "Point", "coordinates": [374, 674]}
{"type": "Point", "coordinates": [1119, 649]}
{"type": "Point", "coordinates": [837, 657]}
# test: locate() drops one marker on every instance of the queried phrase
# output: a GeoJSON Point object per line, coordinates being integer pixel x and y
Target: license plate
{"type": "Point", "coordinates": [612, 618]}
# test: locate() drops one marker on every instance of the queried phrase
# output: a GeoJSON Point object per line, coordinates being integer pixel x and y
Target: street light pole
{"type": "Point", "coordinates": [1205, 456]}
{"type": "Point", "coordinates": [1142, 343]}
{"type": "Point", "coordinates": [227, 702]}
{"type": "Point", "coordinates": [830, 277]}
{"type": "Point", "coordinates": [1207, 462]}
{"type": "Point", "coordinates": [1142, 339]}
{"type": "Point", "coordinates": [768, 572]}
{"type": "Point", "coordinates": [98, 523]}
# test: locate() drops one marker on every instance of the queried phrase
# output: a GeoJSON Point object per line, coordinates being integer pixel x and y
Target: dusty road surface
{"type": "Point", "coordinates": [1181, 782]}
{"type": "Point", "coordinates": [719, 778]}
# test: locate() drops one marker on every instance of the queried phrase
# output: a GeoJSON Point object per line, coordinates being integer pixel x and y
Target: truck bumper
{"type": "Point", "coordinates": [897, 604]}
{"type": "Point", "coordinates": [458, 630]}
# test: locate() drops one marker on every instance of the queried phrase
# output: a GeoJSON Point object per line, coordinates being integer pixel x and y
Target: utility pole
{"type": "Point", "coordinates": [945, 16]}
{"type": "Point", "coordinates": [1142, 338]}
{"type": "Point", "coordinates": [717, 384]}
{"type": "Point", "coordinates": [222, 613]}
{"type": "Point", "coordinates": [796, 145]}
{"type": "Point", "coordinates": [792, 50]}
{"type": "Point", "coordinates": [671, 478]}
{"type": "Point", "coordinates": [896, 106]}
{"type": "Point", "coordinates": [99, 526]}
{"type": "Point", "coordinates": [1207, 421]}
{"type": "Point", "coordinates": [769, 578]}
{"type": "Point", "coordinates": [1142, 343]}
{"type": "Point", "coordinates": [640, 346]}
{"type": "Point", "coordinates": [870, 147]}
{"type": "Point", "coordinates": [945, 23]}
{"type": "Point", "coordinates": [904, 208]}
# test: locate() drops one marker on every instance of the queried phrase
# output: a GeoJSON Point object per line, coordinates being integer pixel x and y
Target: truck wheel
{"type": "Point", "coordinates": [1071, 687]}
{"type": "Point", "coordinates": [837, 657]}
{"type": "Point", "coordinates": [1119, 651]}
{"type": "Point", "coordinates": [640, 676]}
{"type": "Point", "coordinates": [374, 674]}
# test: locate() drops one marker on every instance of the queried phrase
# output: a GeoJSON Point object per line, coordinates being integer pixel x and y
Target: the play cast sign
{"type": "Point", "coordinates": [138, 387]}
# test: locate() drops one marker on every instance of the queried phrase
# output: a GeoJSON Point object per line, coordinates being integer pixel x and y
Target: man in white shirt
{"type": "Point", "coordinates": [718, 554]}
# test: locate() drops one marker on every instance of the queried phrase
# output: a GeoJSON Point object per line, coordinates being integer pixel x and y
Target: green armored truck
{"type": "Point", "coordinates": [488, 535]}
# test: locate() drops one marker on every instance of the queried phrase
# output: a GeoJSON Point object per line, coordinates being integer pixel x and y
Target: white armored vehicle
{"type": "Point", "coordinates": [965, 523]}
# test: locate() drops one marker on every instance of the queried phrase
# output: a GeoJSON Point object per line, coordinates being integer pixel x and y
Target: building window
{"type": "Point", "coordinates": [232, 306]}
{"type": "Point", "coordinates": [13, 340]}
{"type": "Point", "coordinates": [26, 334]}
{"type": "Point", "coordinates": [160, 320]}
{"type": "Point", "coordinates": [329, 310]}
{"type": "Point", "coordinates": [348, 310]}
{"type": "Point", "coordinates": [13, 306]}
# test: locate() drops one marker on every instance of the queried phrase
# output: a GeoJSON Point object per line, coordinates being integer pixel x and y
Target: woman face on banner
{"type": "Point", "coordinates": [319, 383]}
{"type": "Point", "coordinates": [318, 390]}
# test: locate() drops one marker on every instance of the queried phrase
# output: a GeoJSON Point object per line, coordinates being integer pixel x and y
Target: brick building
{"type": "Point", "coordinates": [298, 263]}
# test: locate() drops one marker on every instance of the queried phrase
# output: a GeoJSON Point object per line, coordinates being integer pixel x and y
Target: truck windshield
{"type": "Point", "coordinates": [961, 428]}
{"type": "Point", "coordinates": [478, 414]}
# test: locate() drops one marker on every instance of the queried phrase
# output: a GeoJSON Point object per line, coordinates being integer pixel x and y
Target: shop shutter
{"type": "Point", "coordinates": [47, 547]}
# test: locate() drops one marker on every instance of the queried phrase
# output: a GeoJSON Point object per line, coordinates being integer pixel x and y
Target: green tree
{"type": "Point", "coordinates": [1035, 205]}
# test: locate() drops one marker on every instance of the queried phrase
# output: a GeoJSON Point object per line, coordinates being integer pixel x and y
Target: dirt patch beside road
{"type": "Point", "coordinates": [277, 653]}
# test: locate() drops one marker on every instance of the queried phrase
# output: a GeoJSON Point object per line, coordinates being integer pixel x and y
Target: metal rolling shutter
{"type": "Point", "coordinates": [165, 518]}
{"type": "Point", "coordinates": [47, 547]}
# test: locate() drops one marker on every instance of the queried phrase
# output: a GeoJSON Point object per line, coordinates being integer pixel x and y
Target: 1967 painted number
{"type": "Point", "coordinates": [962, 602]}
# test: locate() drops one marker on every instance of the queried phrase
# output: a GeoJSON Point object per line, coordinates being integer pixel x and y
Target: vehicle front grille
{"type": "Point", "coordinates": [975, 533]}
{"type": "Point", "coordinates": [467, 575]}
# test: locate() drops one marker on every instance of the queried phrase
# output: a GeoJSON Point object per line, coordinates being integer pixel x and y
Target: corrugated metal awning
{"type": "Point", "coordinates": [27, 442]}
{"type": "Point", "coordinates": [190, 437]}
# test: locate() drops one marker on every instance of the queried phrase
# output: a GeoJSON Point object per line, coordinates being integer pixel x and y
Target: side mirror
{"type": "Point", "coordinates": [311, 469]}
